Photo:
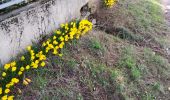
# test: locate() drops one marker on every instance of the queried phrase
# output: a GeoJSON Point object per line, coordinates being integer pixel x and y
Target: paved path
{"type": "Point", "coordinates": [166, 7]}
{"type": "Point", "coordinates": [167, 10]}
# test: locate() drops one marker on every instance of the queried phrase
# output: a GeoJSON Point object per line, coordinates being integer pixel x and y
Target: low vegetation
{"type": "Point", "coordinates": [122, 58]}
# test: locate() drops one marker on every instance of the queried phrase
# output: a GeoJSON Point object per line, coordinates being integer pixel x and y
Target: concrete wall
{"type": "Point", "coordinates": [19, 28]}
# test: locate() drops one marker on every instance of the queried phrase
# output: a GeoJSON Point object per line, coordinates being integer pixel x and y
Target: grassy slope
{"type": "Point", "coordinates": [128, 63]}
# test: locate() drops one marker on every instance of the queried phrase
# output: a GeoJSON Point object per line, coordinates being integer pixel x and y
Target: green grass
{"type": "Point", "coordinates": [95, 44]}
{"type": "Point", "coordinates": [135, 73]}
{"type": "Point", "coordinates": [72, 63]}
{"type": "Point", "coordinates": [149, 14]}
{"type": "Point", "coordinates": [156, 86]}
{"type": "Point", "coordinates": [137, 65]}
{"type": "Point", "coordinates": [157, 62]}
{"type": "Point", "coordinates": [148, 96]}
{"type": "Point", "coordinates": [128, 60]}
{"type": "Point", "coordinates": [137, 21]}
{"type": "Point", "coordinates": [126, 34]}
{"type": "Point", "coordinates": [76, 79]}
{"type": "Point", "coordinates": [40, 82]}
{"type": "Point", "coordinates": [87, 77]}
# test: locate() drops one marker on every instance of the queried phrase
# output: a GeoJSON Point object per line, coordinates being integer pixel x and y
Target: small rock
{"type": "Point", "coordinates": [85, 14]}
{"type": "Point", "coordinates": [168, 88]}
{"type": "Point", "coordinates": [94, 21]}
{"type": "Point", "coordinates": [168, 50]}
{"type": "Point", "coordinates": [88, 14]}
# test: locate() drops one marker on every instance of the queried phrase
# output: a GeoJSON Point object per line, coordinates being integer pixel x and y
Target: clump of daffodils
{"type": "Point", "coordinates": [13, 72]}
{"type": "Point", "coordinates": [109, 3]}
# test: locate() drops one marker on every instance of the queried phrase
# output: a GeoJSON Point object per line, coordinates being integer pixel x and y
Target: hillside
{"type": "Point", "coordinates": [124, 57]}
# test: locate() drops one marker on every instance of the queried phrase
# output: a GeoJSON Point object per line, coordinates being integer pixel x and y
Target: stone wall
{"type": "Point", "coordinates": [19, 28]}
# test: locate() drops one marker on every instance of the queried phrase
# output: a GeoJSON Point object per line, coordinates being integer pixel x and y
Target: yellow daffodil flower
{"type": "Point", "coordinates": [7, 91]}
{"type": "Point", "coordinates": [14, 69]}
{"type": "Point", "coordinates": [7, 66]}
{"type": "Point", "coordinates": [42, 64]}
{"type": "Point", "coordinates": [22, 58]}
{"type": "Point", "coordinates": [3, 74]}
